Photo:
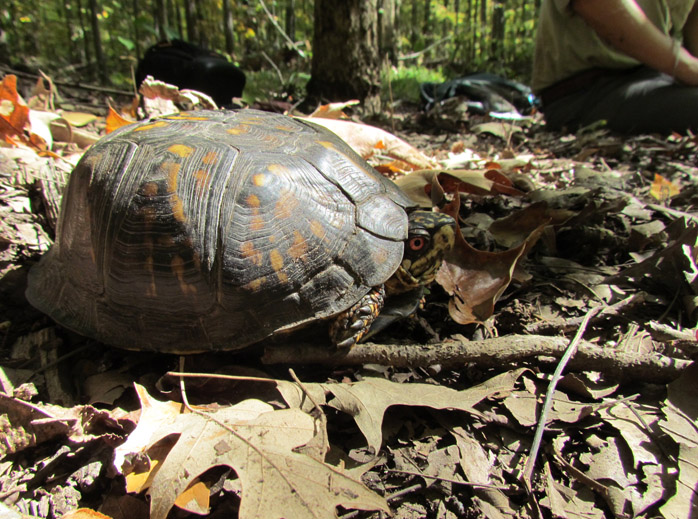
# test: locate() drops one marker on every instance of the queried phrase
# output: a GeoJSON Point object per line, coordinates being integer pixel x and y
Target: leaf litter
{"type": "Point", "coordinates": [554, 226]}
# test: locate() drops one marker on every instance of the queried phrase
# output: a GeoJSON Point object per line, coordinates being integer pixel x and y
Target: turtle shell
{"type": "Point", "coordinates": [212, 230]}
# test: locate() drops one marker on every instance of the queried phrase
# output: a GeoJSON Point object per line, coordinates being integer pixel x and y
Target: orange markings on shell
{"type": "Point", "coordinates": [238, 130]}
{"type": "Point", "coordinates": [249, 252]}
{"type": "Point", "coordinates": [277, 260]}
{"type": "Point", "coordinates": [276, 169]}
{"type": "Point", "coordinates": [181, 150]}
{"type": "Point", "coordinates": [202, 177]}
{"type": "Point", "coordinates": [255, 284]}
{"type": "Point", "coordinates": [210, 158]}
{"type": "Point", "coordinates": [299, 248]}
{"type": "Point", "coordinates": [146, 127]}
{"type": "Point", "coordinates": [185, 117]}
{"type": "Point", "coordinates": [285, 205]}
{"type": "Point", "coordinates": [172, 170]}
{"type": "Point", "coordinates": [257, 224]}
{"type": "Point", "coordinates": [259, 179]}
{"type": "Point", "coordinates": [317, 229]}
{"type": "Point", "coordinates": [252, 201]}
{"type": "Point", "coordinates": [177, 266]}
{"type": "Point", "coordinates": [149, 189]}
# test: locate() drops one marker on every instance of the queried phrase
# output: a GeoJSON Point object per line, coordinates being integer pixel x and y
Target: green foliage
{"type": "Point", "coordinates": [435, 45]}
{"type": "Point", "coordinates": [267, 85]}
{"type": "Point", "coordinates": [404, 82]}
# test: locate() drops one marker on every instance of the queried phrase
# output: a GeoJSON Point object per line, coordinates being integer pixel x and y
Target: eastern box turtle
{"type": "Point", "coordinates": [212, 230]}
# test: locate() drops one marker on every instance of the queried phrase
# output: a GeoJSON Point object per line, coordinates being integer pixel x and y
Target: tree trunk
{"type": "Point", "coordinates": [388, 30]}
{"type": "Point", "coordinates": [160, 18]}
{"type": "Point", "coordinates": [483, 27]}
{"type": "Point", "coordinates": [85, 32]}
{"type": "Point", "coordinates": [291, 19]}
{"type": "Point", "coordinates": [345, 62]}
{"type": "Point", "coordinates": [228, 28]}
{"type": "Point", "coordinates": [203, 39]}
{"type": "Point", "coordinates": [136, 33]}
{"type": "Point", "coordinates": [66, 11]}
{"type": "Point", "coordinates": [413, 31]}
{"type": "Point", "coordinates": [497, 35]}
{"type": "Point", "coordinates": [97, 43]}
{"type": "Point", "coordinates": [192, 22]}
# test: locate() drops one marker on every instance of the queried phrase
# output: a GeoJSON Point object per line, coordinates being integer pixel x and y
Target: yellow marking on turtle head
{"type": "Point", "coordinates": [317, 229]}
{"type": "Point", "coordinates": [146, 127]}
{"type": "Point", "coordinates": [210, 158]}
{"type": "Point", "coordinates": [277, 260]}
{"type": "Point", "coordinates": [259, 179]}
{"type": "Point", "coordinates": [299, 248]}
{"type": "Point", "coordinates": [249, 252]}
{"type": "Point", "coordinates": [182, 150]}
{"type": "Point", "coordinates": [327, 144]}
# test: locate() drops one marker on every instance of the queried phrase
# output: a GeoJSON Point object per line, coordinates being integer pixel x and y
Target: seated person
{"type": "Point", "coordinates": [630, 62]}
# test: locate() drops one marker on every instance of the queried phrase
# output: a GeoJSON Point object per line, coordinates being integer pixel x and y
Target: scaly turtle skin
{"type": "Point", "coordinates": [213, 230]}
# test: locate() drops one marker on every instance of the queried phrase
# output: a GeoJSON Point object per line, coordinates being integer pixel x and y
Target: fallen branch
{"type": "Point", "coordinates": [493, 353]}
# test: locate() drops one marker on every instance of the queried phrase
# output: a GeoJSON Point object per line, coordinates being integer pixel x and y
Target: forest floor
{"type": "Point", "coordinates": [583, 261]}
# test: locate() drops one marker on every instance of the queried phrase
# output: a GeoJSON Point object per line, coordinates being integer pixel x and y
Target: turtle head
{"type": "Point", "coordinates": [430, 236]}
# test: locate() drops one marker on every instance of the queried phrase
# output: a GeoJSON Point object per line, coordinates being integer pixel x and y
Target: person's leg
{"type": "Point", "coordinates": [639, 101]}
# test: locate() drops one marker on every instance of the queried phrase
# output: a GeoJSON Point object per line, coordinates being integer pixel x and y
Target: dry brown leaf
{"type": "Point", "coordinates": [116, 121]}
{"type": "Point", "coordinates": [334, 110]}
{"type": "Point", "coordinates": [367, 401]}
{"type": "Point", "coordinates": [84, 513]}
{"type": "Point", "coordinates": [160, 98]}
{"type": "Point", "coordinates": [78, 119]}
{"type": "Point", "coordinates": [681, 423]}
{"type": "Point", "coordinates": [684, 503]}
{"type": "Point", "coordinates": [258, 443]}
{"type": "Point", "coordinates": [368, 140]}
{"type": "Point", "coordinates": [14, 112]}
{"type": "Point", "coordinates": [524, 407]}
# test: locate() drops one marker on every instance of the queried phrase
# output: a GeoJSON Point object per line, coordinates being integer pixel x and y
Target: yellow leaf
{"type": "Point", "coordinates": [663, 189]}
{"type": "Point", "coordinates": [195, 498]}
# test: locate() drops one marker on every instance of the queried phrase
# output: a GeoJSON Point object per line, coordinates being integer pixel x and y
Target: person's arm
{"type": "Point", "coordinates": [690, 32]}
{"type": "Point", "coordinates": [624, 25]}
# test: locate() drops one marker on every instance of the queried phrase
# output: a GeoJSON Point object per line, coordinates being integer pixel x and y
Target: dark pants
{"type": "Point", "coordinates": [640, 100]}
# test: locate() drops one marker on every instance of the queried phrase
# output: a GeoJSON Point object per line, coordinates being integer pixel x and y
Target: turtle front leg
{"type": "Point", "coordinates": [349, 327]}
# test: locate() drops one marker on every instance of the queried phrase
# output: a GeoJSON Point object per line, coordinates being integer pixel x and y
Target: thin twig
{"type": "Point", "coordinates": [219, 376]}
{"type": "Point", "coordinates": [548, 404]}
{"type": "Point", "coordinates": [455, 482]}
{"type": "Point", "coordinates": [273, 21]}
{"type": "Point", "coordinates": [496, 352]}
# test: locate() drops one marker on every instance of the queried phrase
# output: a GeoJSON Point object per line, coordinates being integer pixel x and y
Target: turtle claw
{"type": "Point", "coordinates": [353, 324]}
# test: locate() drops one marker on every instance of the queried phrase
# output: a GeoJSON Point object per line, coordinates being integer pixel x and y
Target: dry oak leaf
{"type": "Point", "coordinates": [14, 112]}
{"type": "Point", "coordinates": [681, 423]}
{"type": "Point", "coordinates": [366, 140]}
{"type": "Point", "coordinates": [258, 443]}
{"type": "Point", "coordinates": [366, 401]}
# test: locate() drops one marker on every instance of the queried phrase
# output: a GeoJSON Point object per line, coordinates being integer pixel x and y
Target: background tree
{"type": "Point", "coordinates": [346, 62]}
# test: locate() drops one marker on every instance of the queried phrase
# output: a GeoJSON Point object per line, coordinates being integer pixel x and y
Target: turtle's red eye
{"type": "Point", "coordinates": [417, 243]}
